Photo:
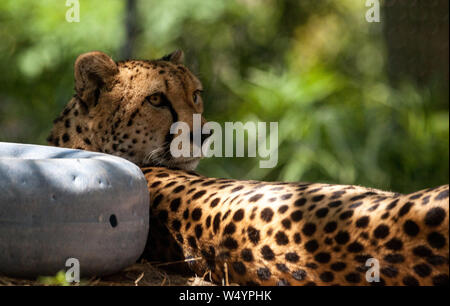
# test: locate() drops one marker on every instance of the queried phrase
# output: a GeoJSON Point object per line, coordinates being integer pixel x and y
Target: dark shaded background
{"type": "Point", "coordinates": [357, 102]}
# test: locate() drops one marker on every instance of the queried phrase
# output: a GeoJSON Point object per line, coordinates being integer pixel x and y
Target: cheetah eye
{"type": "Point", "coordinates": [155, 99]}
{"type": "Point", "coordinates": [196, 95]}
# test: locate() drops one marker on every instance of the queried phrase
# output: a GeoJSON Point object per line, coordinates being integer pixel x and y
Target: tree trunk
{"type": "Point", "coordinates": [130, 29]}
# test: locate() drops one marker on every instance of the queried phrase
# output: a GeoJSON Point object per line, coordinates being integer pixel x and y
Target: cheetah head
{"type": "Point", "coordinates": [127, 108]}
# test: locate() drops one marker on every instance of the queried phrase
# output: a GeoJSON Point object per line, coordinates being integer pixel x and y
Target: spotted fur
{"type": "Point", "coordinates": [250, 232]}
{"type": "Point", "coordinates": [273, 233]}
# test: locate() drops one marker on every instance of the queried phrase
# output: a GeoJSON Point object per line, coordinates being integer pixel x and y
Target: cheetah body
{"type": "Point", "coordinates": [268, 233]}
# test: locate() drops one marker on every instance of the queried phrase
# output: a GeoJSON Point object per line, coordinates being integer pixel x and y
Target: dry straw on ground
{"type": "Point", "coordinates": [140, 274]}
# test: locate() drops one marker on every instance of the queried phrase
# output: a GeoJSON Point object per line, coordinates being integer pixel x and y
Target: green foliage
{"type": "Point", "coordinates": [58, 280]}
{"type": "Point", "coordinates": [315, 67]}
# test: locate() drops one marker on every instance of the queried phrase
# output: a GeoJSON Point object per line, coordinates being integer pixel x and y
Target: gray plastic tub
{"type": "Point", "coordinates": [57, 204]}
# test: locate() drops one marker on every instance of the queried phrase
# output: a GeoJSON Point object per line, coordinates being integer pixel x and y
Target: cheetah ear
{"type": "Point", "coordinates": [92, 71]}
{"type": "Point", "coordinates": [176, 57]}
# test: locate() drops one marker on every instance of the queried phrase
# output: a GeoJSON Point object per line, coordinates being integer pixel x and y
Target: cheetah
{"type": "Point", "coordinates": [247, 232]}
